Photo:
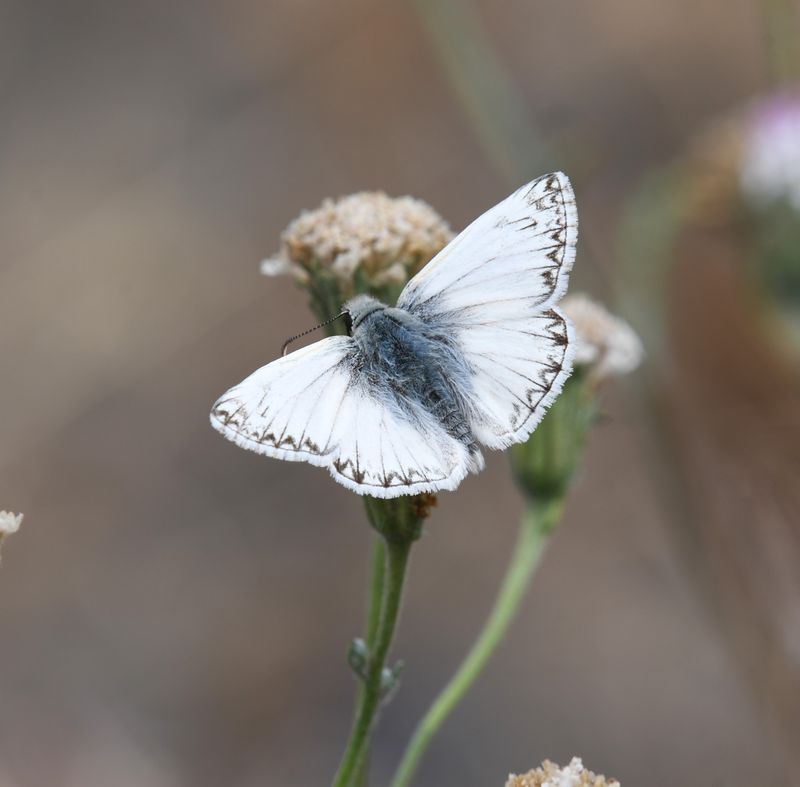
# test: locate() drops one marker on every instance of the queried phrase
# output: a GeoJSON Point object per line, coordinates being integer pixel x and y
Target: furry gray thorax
{"type": "Point", "coordinates": [411, 364]}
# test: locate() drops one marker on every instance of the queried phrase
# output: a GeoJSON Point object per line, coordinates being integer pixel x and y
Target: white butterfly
{"type": "Point", "coordinates": [475, 352]}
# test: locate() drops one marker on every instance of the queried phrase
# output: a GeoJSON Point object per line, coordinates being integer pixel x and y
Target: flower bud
{"type": "Point", "coordinates": [399, 519]}
{"type": "Point", "coordinates": [605, 346]}
{"type": "Point", "coordinates": [545, 465]}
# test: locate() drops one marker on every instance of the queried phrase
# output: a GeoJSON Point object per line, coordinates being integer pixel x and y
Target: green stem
{"type": "Point", "coordinates": [538, 521]}
{"type": "Point", "coordinates": [781, 22]}
{"type": "Point", "coordinates": [396, 562]}
{"type": "Point", "coordinates": [376, 587]}
{"type": "Point", "coordinates": [375, 591]}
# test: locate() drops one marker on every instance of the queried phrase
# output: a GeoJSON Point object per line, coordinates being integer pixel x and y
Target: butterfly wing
{"type": "Point", "coordinates": [315, 406]}
{"type": "Point", "coordinates": [494, 290]}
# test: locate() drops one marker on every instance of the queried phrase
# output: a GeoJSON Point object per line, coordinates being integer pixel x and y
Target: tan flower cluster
{"type": "Point", "coordinates": [551, 775]}
{"type": "Point", "coordinates": [604, 343]}
{"type": "Point", "coordinates": [387, 239]}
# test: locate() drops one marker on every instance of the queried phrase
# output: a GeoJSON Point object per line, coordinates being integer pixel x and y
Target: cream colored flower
{"type": "Point", "coordinates": [387, 239]}
{"type": "Point", "coordinates": [604, 343]}
{"type": "Point", "coordinates": [9, 523]}
{"type": "Point", "coordinates": [550, 775]}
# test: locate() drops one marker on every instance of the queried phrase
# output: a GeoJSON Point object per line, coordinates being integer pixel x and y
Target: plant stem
{"type": "Point", "coordinates": [781, 22]}
{"type": "Point", "coordinates": [537, 522]}
{"type": "Point", "coordinates": [376, 586]}
{"type": "Point", "coordinates": [375, 591]}
{"type": "Point", "coordinates": [492, 100]}
{"type": "Point", "coordinates": [483, 85]}
{"type": "Point", "coordinates": [397, 552]}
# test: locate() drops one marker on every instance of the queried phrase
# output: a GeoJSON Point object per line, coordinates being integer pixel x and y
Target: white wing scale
{"type": "Point", "coordinates": [310, 406]}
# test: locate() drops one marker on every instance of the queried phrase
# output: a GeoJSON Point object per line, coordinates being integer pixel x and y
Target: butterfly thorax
{"type": "Point", "coordinates": [416, 367]}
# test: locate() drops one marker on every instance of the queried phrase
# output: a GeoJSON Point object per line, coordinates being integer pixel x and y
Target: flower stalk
{"type": "Point", "coordinates": [376, 589]}
{"type": "Point", "coordinates": [397, 561]}
{"type": "Point", "coordinates": [544, 468]}
{"type": "Point", "coordinates": [781, 26]}
{"type": "Point", "coordinates": [537, 523]}
{"type": "Point", "coordinates": [398, 523]}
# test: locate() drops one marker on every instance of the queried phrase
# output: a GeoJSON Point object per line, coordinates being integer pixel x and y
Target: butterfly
{"type": "Point", "coordinates": [473, 354]}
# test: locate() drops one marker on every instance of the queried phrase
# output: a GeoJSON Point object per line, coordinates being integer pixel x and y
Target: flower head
{"type": "Point", "coordinates": [605, 344]}
{"type": "Point", "coordinates": [364, 243]}
{"type": "Point", "coordinates": [9, 523]}
{"type": "Point", "coordinates": [769, 169]}
{"type": "Point", "coordinates": [550, 775]}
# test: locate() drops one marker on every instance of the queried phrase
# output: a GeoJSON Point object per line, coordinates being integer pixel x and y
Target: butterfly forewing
{"type": "Point", "coordinates": [520, 250]}
{"type": "Point", "coordinates": [494, 290]}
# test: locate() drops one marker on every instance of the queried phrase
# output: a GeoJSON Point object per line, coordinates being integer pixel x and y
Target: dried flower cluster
{"type": "Point", "coordinates": [604, 343]}
{"type": "Point", "coordinates": [550, 775]}
{"type": "Point", "coordinates": [386, 239]}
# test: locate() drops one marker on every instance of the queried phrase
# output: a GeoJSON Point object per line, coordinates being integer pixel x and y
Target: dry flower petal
{"type": "Point", "coordinates": [278, 266]}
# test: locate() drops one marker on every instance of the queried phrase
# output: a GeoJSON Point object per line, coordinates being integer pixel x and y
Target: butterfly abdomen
{"type": "Point", "coordinates": [416, 369]}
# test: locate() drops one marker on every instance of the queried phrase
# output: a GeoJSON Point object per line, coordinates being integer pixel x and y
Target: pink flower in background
{"type": "Point", "coordinates": [770, 164]}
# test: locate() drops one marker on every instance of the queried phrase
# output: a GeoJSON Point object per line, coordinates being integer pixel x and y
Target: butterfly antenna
{"type": "Point", "coordinates": [310, 330]}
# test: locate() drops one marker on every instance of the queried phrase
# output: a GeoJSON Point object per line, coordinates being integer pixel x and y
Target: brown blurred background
{"type": "Point", "coordinates": [175, 611]}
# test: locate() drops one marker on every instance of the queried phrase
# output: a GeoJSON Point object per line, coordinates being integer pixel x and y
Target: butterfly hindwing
{"type": "Point", "coordinates": [314, 406]}
{"type": "Point", "coordinates": [519, 366]}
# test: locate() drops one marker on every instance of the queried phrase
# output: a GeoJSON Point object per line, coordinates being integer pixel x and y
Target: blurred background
{"type": "Point", "coordinates": [176, 611]}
